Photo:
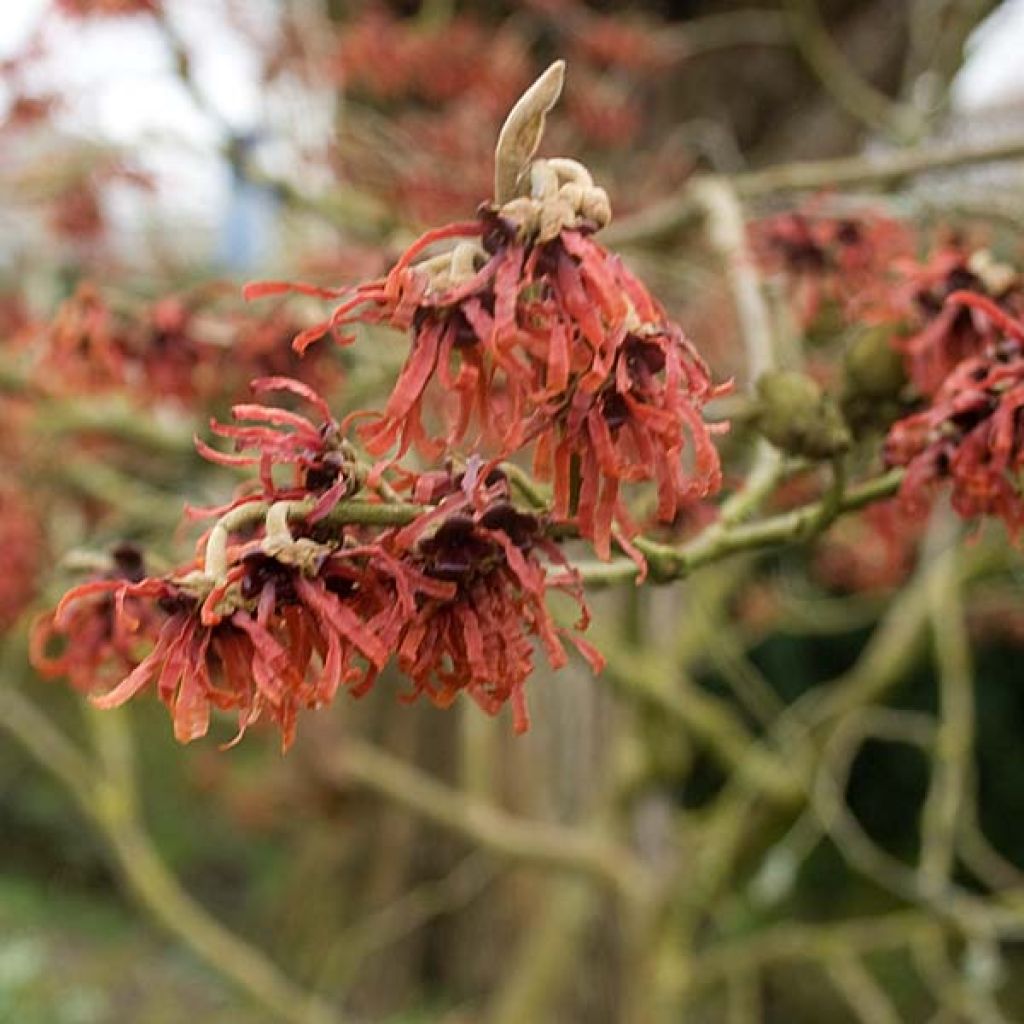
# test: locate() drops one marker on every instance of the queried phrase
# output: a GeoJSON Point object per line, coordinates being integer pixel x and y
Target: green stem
{"type": "Point", "coordinates": [668, 562]}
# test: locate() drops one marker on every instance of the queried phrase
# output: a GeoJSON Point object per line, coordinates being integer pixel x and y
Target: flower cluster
{"type": "Point", "coordinates": [190, 348]}
{"type": "Point", "coordinates": [940, 334]}
{"type": "Point", "coordinates": [527, 338]}
{"type": "Point", "coordinates": [270, 622]}
{"type": "Point", "coordinates": [841, 261]}
{"type": "Point", "coordinates": [952, 320]}
{"type": "Point", "coordinates": [970, 433]}
{"type": "Point", "coordinates": [267, 437]}
{"type": "Point", "coordinates": [101, 633]}
{"type": "Point", "coordinates": [539, 337]}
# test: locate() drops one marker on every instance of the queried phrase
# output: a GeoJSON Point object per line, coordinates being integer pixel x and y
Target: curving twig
{"type": "Point", "coordinates": [848, 88]}
{"type": "Point", "coordinates": [882, 170]}
{"type": "Point", "coordinates": [106, 797]}
{"type": "Point", "coordinates": [951, 756]}
{"type": "Point", "coordinates": [543, 844]}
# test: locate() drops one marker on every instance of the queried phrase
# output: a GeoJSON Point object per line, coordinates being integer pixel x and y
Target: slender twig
{"type": "Point", "coordinates": [951, 756]}
{"type": "Point", "coordinates": [972, 915]}
{"type": "Point", "coordinates": [668, 562]}
{"type": "Point", "coordinates": [744, 998]}
{"type": "Point", "coordinates": [535, 494]}
{"type": "Point", "coordinates": [962, 1000]}
{"type": "Point", "coordinates": [396, 921]}
{"type": "Point", "coordinates": [530, 842]}
{"type": "Point", "coordinates": [652, 681]}
{"type": "Point", "coordinates": [747, 683]}
{"type": "Point", "coordinates": [884, 169]}
{"type": "Point", "coordinates": [723, 832]}
{"type": "Point", "coordinates": [895, 644]}
{"type": "Point", "coordinates": [46, 744]}
{"type": "Point", "coordinates": [728, 236]}
{"type": "Point", "coordinates": [732, 29]}
{"type": "Point", "coordinates": [546, 958]}
{"type": "Point", "coordinates": [978, 854]}
{"type": "Point", "coordinates": [863, 994]}
{"type": "Point", "coordinates": [796, 941]}
{"type": "Point", "coordinates": [848, 88]}
{"type": "Point", "coordinates": [106, 797]}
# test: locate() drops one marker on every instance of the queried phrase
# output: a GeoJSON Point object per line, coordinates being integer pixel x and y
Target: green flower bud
{"type": "Point", "coordinates": [796, 416]}
{"type": "Point", "coordinates": [872, 366]}
{"type": "Point", "coordinates": [873, 381]}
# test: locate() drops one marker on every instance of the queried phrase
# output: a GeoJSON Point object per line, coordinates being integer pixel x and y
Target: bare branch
{"type": "Point", "coordinates": [852, 92]}
{"type": "Point", "coordinates": [952, 752]}
{"type": "Point", "coordinates": [532, 842]}
{"type": "Point", "coordinates": [883, 170]}
{"type": "Point", "coordinates": [862, 992]}
{"type": "Point", "coordinates": [108, 802]}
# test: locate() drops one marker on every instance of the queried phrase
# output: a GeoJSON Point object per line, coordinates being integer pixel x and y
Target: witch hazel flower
{"type": "Point", "coordinates": [474, 630]}
{"type": "Point", "coordinates": [264, 636]}
{"type": "Point", "coordinates": [532, 336]}
{"type": "Point", "coordinates": [322, 573]}
{"type": "Point", "coordinates": [269, 624]}
{"type": "Point", "coordinates": [286, 605]}
{"type": "Point", "coordinates": [322, 463]}
{"type": "Point", "coordinates": [99, 634]}
{"type": "Point", "coordinates": [970, 435]}
{"type": "Point", "coordinates": [943, 333]}
{"type": "Point", "coordinates": [831, 260]}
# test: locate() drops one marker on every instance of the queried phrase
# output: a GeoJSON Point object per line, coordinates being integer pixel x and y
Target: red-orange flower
{"type": "Point", "coordinates": [538, 336]}
{"type": "Point", "coordinates": [943, 333]}
{"type": "Point", "coordinates": [102, 622]}
{"type": "Point", "coordinates": [278, 437]}
{"type": "Point", "coordinates": [81, 350]}
{"type": "Point", "coordinates": [832, 259]}
{"type": "Point", "coordinates": [971, 434]}
{"type": "Point", "coordinates": [278, 624]}
{"type": "Point", "coordinates": [475, 632]}
{"type": "Point", "coordinates": [266, 642]}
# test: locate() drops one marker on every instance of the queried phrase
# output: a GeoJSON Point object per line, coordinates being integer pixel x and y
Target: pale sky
{"type": "Point", "coordinates": [120, 73]}
{"type": "Point", "coordinates": [994, 72]}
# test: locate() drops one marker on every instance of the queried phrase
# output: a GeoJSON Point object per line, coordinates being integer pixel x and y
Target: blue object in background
{"type": "Point", "coordinates": [249, 230]}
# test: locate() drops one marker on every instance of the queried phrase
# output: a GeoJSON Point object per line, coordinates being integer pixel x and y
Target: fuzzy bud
{"type": "Point", "coordinates": [796, 416]}
{"type": "Point", "coordinates": [873, 380]}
